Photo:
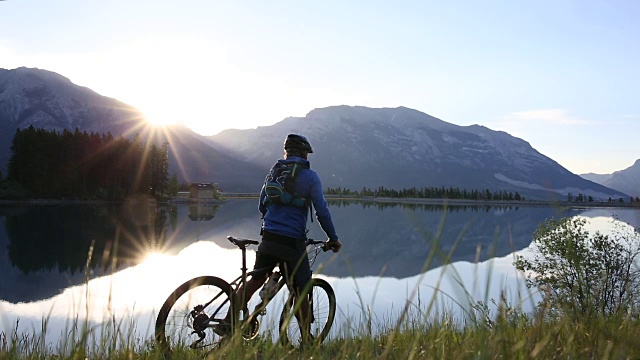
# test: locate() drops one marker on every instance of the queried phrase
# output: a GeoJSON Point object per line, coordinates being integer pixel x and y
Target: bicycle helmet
{"type": "Point", "coordinates": [297, 142]}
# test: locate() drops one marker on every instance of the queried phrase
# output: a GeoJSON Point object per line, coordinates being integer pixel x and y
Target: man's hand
{"type": "Point", "coordinates": [333, 245]}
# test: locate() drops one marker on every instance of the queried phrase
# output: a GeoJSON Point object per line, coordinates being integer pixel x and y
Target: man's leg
{"type": "Point", "coordinates": [303, 315]}
{"type": "Point", "coordinates": [253, 284]}
{"type": "Point", "coordinates": [265, 263]}
{"type": "Point", "coordinates": [302, 288]}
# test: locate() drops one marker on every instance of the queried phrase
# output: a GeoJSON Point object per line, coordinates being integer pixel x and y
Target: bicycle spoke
{"type": "Point", "coordinates": [185, 321]}
{"type": "Point", "coordinates": [323, 306]}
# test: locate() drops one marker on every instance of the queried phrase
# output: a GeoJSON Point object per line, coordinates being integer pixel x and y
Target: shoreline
{"type": "Point", "coordinates": [455, 202]}
{"type": "Point", "coordinates": [370, 199]}
{"type": "Point", "coordinates": [149, 201]}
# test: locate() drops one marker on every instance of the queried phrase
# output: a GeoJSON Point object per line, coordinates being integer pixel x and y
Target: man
{"type": "Point", "coordinates": [284, 228]}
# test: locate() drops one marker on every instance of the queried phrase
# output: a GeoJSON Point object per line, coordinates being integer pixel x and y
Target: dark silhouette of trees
{"type": "Point", "coordinates": [59, 238]}
{"type": "Point", "coordinates": [158, 168]}
{"type": "Point", "coordinates": [429, 193]}
{"type": "Point", "coordinates": [174, 185]}
{"type": "Point", "coordinates": [81, 165]}
{"type": "Point", "coordinates": [453, 193]}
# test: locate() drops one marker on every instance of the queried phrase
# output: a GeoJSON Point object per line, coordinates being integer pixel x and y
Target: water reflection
{"type": "Point", "coordinates": [60, 237]}
{"type": "Point", "coordinates": [202, 212]}
{"type": "Point", "coordinates": [377, 240]}
{"type": "Point", "coordinates": [135, 294]}
{"type": "Point", "coordinates": [401, 240]}
{"type": "Point", "coordinates": [47, 246]}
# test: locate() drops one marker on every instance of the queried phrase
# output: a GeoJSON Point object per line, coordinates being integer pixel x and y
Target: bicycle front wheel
{"type": "Point", "coordinates": [191, 313]}
{"type": "Point", "coordinates": [323, 310]}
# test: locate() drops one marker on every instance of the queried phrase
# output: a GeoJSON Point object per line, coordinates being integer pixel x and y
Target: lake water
{"type": "Point", "coordinates": [393, 255]}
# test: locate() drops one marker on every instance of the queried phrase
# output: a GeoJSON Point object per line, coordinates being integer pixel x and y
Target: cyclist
{"type": "Point", "coordinates": [284, 230]}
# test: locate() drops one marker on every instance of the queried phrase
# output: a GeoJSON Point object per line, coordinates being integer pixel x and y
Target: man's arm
{"type": "Point", "coordinates": [322, 209]}
{"type": "Point", "coordinates": [261, 206]}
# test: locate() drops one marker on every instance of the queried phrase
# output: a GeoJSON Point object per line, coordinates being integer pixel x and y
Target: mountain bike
{"type": "Point", "coordinates": [196, 314]}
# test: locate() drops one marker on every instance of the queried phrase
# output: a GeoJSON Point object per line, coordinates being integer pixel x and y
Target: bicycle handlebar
{"type": "Point", "coordinates": [242, 243]}
{"type": "Point", "coordinates": [318, 242]}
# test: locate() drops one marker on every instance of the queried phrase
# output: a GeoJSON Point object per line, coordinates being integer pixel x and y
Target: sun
{"type": "Point", "coordinates": [190, 82]}
{"type": "Point", "coordinates": [158, 115]}
{"type": "Point", "coordinates": [169, 79]}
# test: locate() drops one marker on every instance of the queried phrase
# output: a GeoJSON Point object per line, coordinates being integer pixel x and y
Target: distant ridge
{"type": "Point", "coordinates": [626, 180]}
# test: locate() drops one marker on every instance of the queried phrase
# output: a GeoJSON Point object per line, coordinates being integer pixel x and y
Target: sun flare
{"type": "Point", "coordinates": [173, 80]}
{"type": "Point", "coordinates": [156, 115]}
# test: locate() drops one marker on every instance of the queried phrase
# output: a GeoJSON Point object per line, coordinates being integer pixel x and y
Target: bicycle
{"type": "Point", "coordinates": [194, 313]}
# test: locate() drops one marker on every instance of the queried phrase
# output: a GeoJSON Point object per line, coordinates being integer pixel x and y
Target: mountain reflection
{"type": "Point", "coordinates": [401, 240]}
{"type": "Point", "coordinates": [44, 249]}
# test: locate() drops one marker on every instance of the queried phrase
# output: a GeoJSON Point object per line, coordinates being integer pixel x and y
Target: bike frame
{"type": "Point", "coordinates": [242, 280]}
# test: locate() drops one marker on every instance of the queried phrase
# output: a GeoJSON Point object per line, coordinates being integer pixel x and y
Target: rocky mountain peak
{"type": "Point", "coordinates": [402, 148]}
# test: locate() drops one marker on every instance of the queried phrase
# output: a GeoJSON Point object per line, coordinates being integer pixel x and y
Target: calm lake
{"type": "Point", "coordinates": [392, 255]}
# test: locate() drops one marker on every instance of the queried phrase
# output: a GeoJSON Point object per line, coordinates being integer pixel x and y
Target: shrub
{"type": "Point", "coordinates": [584, 274]}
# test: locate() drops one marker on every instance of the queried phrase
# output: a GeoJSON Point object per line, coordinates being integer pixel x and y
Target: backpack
{"type": "Point", "coordinates": [278, 185]}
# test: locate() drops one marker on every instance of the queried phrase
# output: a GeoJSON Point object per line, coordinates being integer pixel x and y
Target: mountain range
{"type": "Point", "coordinates": [48, 100]}
{"type": "Point", "coordinates": [626, 180]}
{"type": "Point", "coordinates": [354, 146]}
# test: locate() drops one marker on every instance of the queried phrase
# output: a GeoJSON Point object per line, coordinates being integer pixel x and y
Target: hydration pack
{"type": "Point", "coordinates": [278, 185]}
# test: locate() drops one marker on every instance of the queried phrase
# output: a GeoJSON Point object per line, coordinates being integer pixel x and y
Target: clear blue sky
{"type": "Point", "coordinates": [562, 75]}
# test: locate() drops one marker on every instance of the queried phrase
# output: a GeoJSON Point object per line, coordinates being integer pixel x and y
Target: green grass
{"type": "Point", "coordinates": [508, 335]}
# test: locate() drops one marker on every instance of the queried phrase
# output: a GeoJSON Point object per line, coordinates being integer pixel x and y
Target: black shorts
{"type": "Point", "coordinates": [289, 253]}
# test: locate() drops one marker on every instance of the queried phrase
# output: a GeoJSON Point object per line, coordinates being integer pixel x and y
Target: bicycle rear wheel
{"type": "Point", "coordinates": [323, 310]}
{"type": "Point", "coordinates": [186, 317]}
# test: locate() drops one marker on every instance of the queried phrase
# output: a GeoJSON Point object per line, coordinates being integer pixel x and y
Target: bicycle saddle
{"type": "Point", "coordinates": [241, 243]}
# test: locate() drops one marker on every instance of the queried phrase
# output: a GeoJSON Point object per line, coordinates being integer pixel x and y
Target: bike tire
{"type": "Point", "coordinates": [323, 305]}
{"type": "Point", "coordinates": [175, 324]}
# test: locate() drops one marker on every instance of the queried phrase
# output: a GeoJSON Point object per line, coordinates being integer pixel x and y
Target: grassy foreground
{"type": "Point", "coordinates": [508, 335]}
{"type": "Point", "coordinates": [557, 329]}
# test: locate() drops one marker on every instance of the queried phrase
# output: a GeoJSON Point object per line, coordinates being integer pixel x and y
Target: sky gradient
{"type": "Point", "coordinates": [562, 75]}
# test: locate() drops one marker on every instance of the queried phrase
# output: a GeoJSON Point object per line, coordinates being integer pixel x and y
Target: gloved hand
{"type": "Point", "coordinates": [333, 245]}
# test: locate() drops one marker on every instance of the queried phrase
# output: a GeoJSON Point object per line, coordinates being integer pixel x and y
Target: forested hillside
{"type": "Point", "coordinates": [82, 165]}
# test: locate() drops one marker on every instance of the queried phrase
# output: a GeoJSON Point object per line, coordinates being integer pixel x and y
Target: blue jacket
{"type": "Point", "coordinates": [290, 220]}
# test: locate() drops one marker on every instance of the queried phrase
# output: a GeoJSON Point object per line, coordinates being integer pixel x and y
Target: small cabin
{"type": "Point", "coordinates": [201, 191]}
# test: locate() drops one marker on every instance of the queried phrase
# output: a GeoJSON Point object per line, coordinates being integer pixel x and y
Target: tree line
{"type": "Point", "coordinates": [81, 165]}
{"type": "Point", "coordinates": [455, 193]}
{"type": "Point", "coordinates": [429, 193]}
